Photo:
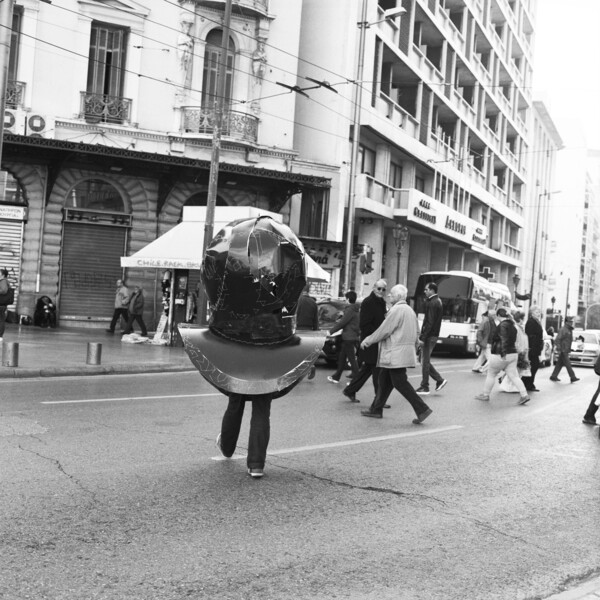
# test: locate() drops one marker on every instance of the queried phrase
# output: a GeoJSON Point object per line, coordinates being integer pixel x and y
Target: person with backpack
{"type": "Point", "coordinates": [6, 299]}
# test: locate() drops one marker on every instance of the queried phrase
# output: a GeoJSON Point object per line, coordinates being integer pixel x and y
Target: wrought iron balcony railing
{"type": "Point", "coordinates": [15, 90]}
{"type": "Point", "coordinates": [236, 125]}
{"type": "Point", "coordinates": [101, 108]}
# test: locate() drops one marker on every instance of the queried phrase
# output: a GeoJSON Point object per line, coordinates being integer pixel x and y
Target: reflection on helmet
{"type": "Point", "coordinates": [253, 273]}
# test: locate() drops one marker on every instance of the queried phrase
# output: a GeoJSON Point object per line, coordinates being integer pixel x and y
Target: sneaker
{"type": "Point", "coordinates": [589, 421]}
{"type": "Point", "coordinates": [420, 418]}
{"type": "Point", "coordinates": [554, 379]}
{"type": "Point", "coordinates": [370, 413]}
{"type": "Point", "coordinates": [256, 472]}
{"type": "Point", "coordinates": [484, 397]}
{"type": "Point", "coordinates": [311, 373]}
{"type": "Point", "coordinates": [524, 399]}
{"type": "Point", "coordinates": [575, 379]}
{"type": "Point", "coordinates": [350, 396]}
{"type": "Point", "coordinates": [440, 385]}
{"type": "Point", "coordinates": [423, 391]}
{"type": "Point", "coordinates": [332, 380]}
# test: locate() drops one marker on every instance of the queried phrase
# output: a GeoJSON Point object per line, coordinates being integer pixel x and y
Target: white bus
{"type": "Point", "coordinates": [465, 297]}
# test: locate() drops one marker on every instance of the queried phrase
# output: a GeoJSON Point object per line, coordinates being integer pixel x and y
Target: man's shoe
{"type": "Point", "coordinates": [218, 445]}
{"type": "Point", "coordinates": [440, 385]}
{"type": "Point", "coordinates": [311, 373]}
{"type": "Point", "coordinates": [554, 379]}
{"type": "Point", "coordinates": [589, 421]}
{"type": "Point", "coordinates": [420, 418]}
{"type": "Point", "coordinates": [423, 391]}
{"type": "Point", "coordinates": [370, 413]}
{"type": "Point", "coordinates": [386, 406]}
{"type": "Point", "coordinates": [477, 370]}
{"type": "Point", "coordinates": [574, 379]}
{"type": "Point", "coordinates": [109, 331]}
{"type": "Point", "coordinates": [255, 473]}
{"type": "Point", "coordinates": [484, 397]}
{"type": "Point", "coordinates": [532, 389]}
{"type": "Point", "coordinates": [350, 396]}
{"type": "Point", "coordinates": [524, 399]}
{"type": "Point", "coordinates": [332, 380]}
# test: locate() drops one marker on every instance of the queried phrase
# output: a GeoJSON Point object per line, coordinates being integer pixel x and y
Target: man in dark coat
{"type": "Point", "coordinates": [428, 339]}
{"type": "Point", "coordinates": [564, 340]}
{"type": "Point", "coordinates": [372, 314]}
{"type": "Point", "coordinates": [535, 336]}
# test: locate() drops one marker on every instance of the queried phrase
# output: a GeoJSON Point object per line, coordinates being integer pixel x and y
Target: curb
{"type": "Point", "coordinates": [588, 590]}
{"type": "Point", "coordinates": [22, 373]}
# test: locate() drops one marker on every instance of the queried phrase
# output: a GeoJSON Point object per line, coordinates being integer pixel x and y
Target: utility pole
{"type": "Point", "coordinates": [6, 14]}
{"type": "Point", "coordinates": [216, 150]}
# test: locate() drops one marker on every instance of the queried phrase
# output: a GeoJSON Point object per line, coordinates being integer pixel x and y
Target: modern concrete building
{"type": "Point", "coordinates": [109, 126]}
{"type": "Point", "coordinates": [441, 127]}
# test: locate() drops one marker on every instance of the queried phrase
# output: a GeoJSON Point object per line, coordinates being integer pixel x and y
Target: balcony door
{"type": "Point", "coordinates": [212, 62]}
{"type": "Point", "coordinates": [107, 60]}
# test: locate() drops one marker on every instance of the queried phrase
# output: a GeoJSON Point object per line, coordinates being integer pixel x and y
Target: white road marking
{"type": "Point", "coordinates": [382, 438]}
{"type": "Point", "coordinates": [128, 398]}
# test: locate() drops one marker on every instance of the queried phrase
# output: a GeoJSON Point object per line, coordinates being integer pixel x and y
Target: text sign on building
{"type": "Point", "coordinates": [443, 219]}
{"type": "Point", "coordinates": [13, 213]}
{"type": "Point", "coordinates": [325, 255]}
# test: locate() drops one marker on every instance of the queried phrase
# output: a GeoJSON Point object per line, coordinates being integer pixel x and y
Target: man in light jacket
{"type": "Point", "coordinates": [397, 337]}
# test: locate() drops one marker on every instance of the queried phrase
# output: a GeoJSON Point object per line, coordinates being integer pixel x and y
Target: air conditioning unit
{"type": "Point", "coordinates": [14, 121]}
{"type": "Point", "coordinates": [39, 126]}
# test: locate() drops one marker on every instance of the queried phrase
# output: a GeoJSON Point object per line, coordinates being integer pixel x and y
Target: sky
{"type": "Point", "coordinates": [567, 66]}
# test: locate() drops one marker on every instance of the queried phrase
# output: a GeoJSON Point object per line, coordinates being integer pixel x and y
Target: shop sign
{"type": "Point", "coordinates": [326, 256]}
{"type": "Point", "coordinates": [13, 213]}
{"type": "Point", "coordinates": [166, 263]}
{"type": "Point", "coordinates": [443, 219]}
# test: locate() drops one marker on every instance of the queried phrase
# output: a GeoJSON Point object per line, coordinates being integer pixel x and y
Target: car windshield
{"type": "Point", "coordinates": [589, 338]}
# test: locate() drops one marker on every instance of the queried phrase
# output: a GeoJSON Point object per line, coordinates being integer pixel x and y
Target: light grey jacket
{"type": "Point", "coordinates": [397, 337]}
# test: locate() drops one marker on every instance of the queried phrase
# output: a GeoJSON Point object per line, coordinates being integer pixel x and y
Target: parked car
{"type": "Point", "coordinates": [585, 352]}
{"type": "Point", "coordinates": [331, 311]}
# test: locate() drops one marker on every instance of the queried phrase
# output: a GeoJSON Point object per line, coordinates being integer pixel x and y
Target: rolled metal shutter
{"type": "Point", "coordinates": [90, 267]}
{"type": "Point", "coordinates": [11, 243]}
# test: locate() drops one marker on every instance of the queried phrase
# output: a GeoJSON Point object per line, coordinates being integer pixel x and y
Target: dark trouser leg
{"type": "Point", "coordinates": [401, 383]}
{"type": "Point", "coordinates": [351, 354]}
{"type": "Point", "coordinates": [260, 431]}
{"type": "Point", "coordinates": [558, 366]}
{"type": "Point", "coordinates": [384, 389]}
{"type": "Point", "coordinates": [3, 310]}
{"type": "Point", "coordinates": [114, 320]}
{"type": "Point", "coordinates": [142, 325]}
{"type": "Point", "coordinates": [129, 326]}
{"type": "Point", "coordinates": [231, 424]}
{"type": "Point", "coordinates": [428, 368]}
{"type": "Point", "coordinates": [364, 372]}
{"type": "Point", "coordinates": [534, 362]}
{"type": "Point", "coordinates": [592, 409]}
{"type": "Point", "coordinates": [341, 361]}
{"type": "Point", "coordinates": [376, 371]}
{"type": "Point", "coordinates": [567, 362]}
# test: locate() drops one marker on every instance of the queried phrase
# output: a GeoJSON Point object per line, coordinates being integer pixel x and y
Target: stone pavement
{"type": "Point", "coordinates": [63, 351]}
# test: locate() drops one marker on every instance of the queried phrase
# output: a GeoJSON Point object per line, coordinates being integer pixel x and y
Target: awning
{"type": "Point", "coordinates": [181, 247]}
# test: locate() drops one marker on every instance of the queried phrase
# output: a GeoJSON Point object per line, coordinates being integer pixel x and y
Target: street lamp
{"type": "Point", "coordinates": [400, 233]}
{"type": "Point", "coordinates": [515, 281]}
{"type": "Point", "coordinates": [363, 25]}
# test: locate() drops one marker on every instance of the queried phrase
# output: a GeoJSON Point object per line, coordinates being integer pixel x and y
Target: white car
{"type": "Point", "coordinates": [585, 352]}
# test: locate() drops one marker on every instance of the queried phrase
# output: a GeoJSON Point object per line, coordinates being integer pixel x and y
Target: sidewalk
{"type": "Point", "coordinates": [63, 351]}
{"type": "Point", "coordinates": [588, 590]}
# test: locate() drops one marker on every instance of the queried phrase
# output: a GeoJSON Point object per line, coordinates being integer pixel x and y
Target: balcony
{"type": "Point", "coordinates": [101, 108]}
{"type": "Point", "coordinates": [236, 125]}
{"type": "Point", "coordinates": [15, 91]}
{"type": "Point", "coordinates": [397, 115]}
{"type": "Point", "coordinates": [374, 196]}
{"type": "Point", "coordinates": [245, 7]}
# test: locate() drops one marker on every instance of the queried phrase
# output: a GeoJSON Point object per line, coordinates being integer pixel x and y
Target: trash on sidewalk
{"type": "Point", "coordinates": [134, 338]}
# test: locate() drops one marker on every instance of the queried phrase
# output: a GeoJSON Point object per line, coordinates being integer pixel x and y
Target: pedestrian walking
{"type": "Point", "coordinates": [590, 414]}
{"type": "Point", "coordinates": [563, 343]}
{"type": "Point", "coordinates": [504, 357]}
{"type": "Point", "coordinates": [349, 326]}
{"type": "Point", "coordinates": [371, 316]}
{"type": "Point", "coordinates": [250, 351]}
{"type": "Point", "coordinates": [6, 299]}
{"type": "Point", "coordinates": [522, 346]}
{"type": "Point", "coordinates": [430, 332]}
{"type": "Point", "coordinates": [136, 311]}
{"type": "Point", "coordinates": [121, 304]}
{"type": "Point", "coordinates": [483, 340]}
{"type": "Point", "coordinates": [397, 337]}
{"type": "Point", "coordinates": [535, 337]}
{"type": "Point", "coordinates": [307, 318]}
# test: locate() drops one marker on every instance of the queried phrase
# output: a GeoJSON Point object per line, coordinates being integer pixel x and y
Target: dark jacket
{"type": "Point", "coordinates": [348, 324]}
{"type": "Point", "coordinates": [372, 314]}
{"type": "Point", "coordinates": [505, 338]}
{"type": "Point", "coordinates": [136, 303]}
{"type": "Point", "coordinates": [433, 318]}
{"type": "Point", "coordinates": [564, 339]}
{"type": "Point", "coordinates": [535, 335]}
{"type": "Point", "coordinates": [307, 313]}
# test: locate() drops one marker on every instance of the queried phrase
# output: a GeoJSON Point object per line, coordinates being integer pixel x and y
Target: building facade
{"type": "Point", "coordinates": [441, 125]}
{"type": "Point", "coordinates": [108, 133]}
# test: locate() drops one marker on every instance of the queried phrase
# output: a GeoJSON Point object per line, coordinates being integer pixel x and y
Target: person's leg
{"type": "Point", "coordinates": [142, 325]}
{"type": "Point", "coordinates": [567, 362]}
{"type": "Point", "coordinates": [231, 423]}
{"type": "Point", "coordinates": [592, 409]}
{"type": "Point", "coordinates": [495, 365]}
{"type": "Point", "coordinates": [433, 372]}
{"type": "Point", "coordinates": [558, 366]}
{"type": "Point", "coordinates": [364, 372]}
{"type": "Point", "coordinates": [513, 373]}
{"type": "Point", "coordinates": [425, 365]}
{"type": "Point", "coordinates": [480, 359]}
{"type": "Point", "coordinates": [351, 354]}
{"type": "Point", "coordinates": [114, 319]}
{"type": "Point", "coordinates": [401, 383]}
{"type": "Point", "coordinates": [124, 316]}
{"type": "Point", "coordinates": [3, 310]}
{"type": "Point", "coordinates": [260, 431]}
{"type": "Point", "coordinates": [129, 326]}
{"type": "Point", "coordinates": [376, 371]}
{"type": "Point", "coordinates": [341, 361]}
{"type": "Point", "coordinates": [384, 389]}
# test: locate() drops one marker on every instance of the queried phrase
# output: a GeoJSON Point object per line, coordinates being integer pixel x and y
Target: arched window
{"type": "Point", "coordinates": [212, 59]}
{"type": "Point", "coordinates": [95, 194]}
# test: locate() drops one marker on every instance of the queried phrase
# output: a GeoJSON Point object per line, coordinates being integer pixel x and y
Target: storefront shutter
{"type": "Point", "coordinates": [11, 241]}
{"type": "Point", "coordinates": [91, 265]}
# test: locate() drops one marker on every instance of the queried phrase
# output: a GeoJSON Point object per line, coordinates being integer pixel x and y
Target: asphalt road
{"type": "Point", "coordinates": [112, 488]}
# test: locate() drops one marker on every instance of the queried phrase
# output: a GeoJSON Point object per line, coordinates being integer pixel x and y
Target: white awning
{"type": "Point", "coordinates": [181, 247]}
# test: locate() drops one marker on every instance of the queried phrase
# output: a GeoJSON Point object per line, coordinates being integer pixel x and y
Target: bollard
{"type": "Point", "coordinates": [94, 353]}
{"type": "Point", "coordinates": [10, 354]}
